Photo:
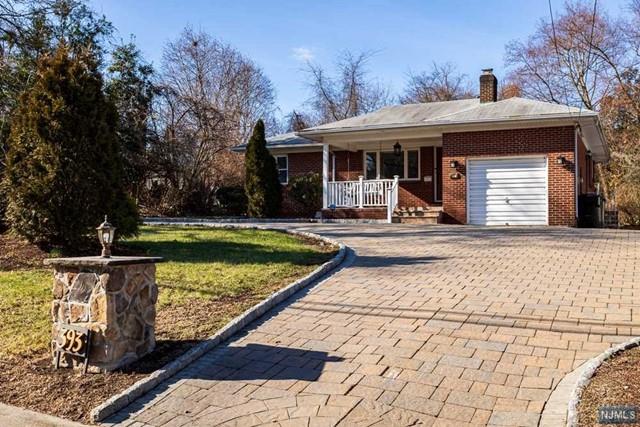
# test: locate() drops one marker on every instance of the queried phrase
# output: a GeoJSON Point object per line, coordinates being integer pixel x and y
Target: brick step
{"type": "Point", "coordinates": [417, 215]}
{"type": "Point", "coordinates": [416, 219]}
{"type": "Point", "coordinates": [418, 212]}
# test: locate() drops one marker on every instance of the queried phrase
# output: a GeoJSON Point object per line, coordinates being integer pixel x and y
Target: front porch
{"type": "Point", "coordinates": [395, 181]}
{"type": "Point", "coordinates": [375, 193]}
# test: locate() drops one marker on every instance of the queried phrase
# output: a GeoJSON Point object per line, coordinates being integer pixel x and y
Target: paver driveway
{"type": "Point", "coordinates": [432, 325]}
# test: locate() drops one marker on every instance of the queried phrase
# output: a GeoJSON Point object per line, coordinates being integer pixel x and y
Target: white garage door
{"type": "Point", "coordinates": [511, 191]}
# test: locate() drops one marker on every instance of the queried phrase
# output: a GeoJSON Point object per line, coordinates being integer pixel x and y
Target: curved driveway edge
{"type": "Point", "coordinates": [119, 401]}
{"type": "Point", "coordinates": [587, 373]}
{"type": "Point", "coordinates": [557, 407]}
{"type": "Point", "coordinates": [562, 406]}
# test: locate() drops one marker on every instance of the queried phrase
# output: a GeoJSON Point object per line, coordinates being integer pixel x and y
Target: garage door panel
{"type": "Point", "coordinates": [507, 191]}
{"type": "Point", "coordinates": [511, 221]}
{"type": "Point", "coordinates": [520, 214]}
{"type": "Point", "coordinates": [506, 174]}
{"type": "Point", "coordinates": [523, 198]}
{"type": "Point", "coordinates": [516, 208]}
{"type": "Point", "coordinates": [528, 182]}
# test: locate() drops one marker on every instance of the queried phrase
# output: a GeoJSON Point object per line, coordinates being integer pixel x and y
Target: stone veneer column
{"type": "Point", "coordinates": [115, 298]}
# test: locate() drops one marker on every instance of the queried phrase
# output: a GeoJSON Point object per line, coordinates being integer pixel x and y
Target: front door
{"type": "Point", "coordinates": [437, 166]}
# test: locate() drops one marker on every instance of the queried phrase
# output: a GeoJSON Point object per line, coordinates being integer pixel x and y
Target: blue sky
{"type": "Point", "coordinates": [280, 35]}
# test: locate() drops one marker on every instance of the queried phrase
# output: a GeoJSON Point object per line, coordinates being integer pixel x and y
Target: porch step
{"type": "Point", "coordinates": [417, 215]}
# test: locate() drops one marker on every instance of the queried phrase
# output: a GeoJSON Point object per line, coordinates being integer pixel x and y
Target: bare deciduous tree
{"type": "Point", "coordinates": [441, 83]}
{"type": "Point", "coordinates": [559, 62]}
{"type": "Point", "coordinates": [211, 95]}
{"type": "Point", "coordinates": [297, 121]}
{"type": "Point", "coordinates": [349, 93]}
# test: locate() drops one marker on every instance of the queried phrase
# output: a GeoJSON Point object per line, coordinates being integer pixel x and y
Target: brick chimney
{"type": "Point", "coordinates": [488, 86]}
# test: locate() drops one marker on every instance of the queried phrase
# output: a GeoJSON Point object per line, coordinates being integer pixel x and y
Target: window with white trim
{"type": "Point", "coordinates": [282, 163]}
{"type": "Point", "coordinates": [385, 164]}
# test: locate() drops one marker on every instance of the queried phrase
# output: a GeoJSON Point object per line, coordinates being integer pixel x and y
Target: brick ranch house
{"type": "Point", "coordinates": [474, 161]}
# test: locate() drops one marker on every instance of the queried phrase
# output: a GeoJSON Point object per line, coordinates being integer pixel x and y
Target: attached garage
{"type": "Point", "coordinates": [507, 191]}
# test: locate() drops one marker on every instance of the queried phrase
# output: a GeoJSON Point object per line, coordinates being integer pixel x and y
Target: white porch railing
{"type": "Point", "coordinates": [363, 193]}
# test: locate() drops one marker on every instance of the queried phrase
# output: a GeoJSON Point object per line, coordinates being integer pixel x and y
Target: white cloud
{"type": "Point", "coordinates": [302, 54]}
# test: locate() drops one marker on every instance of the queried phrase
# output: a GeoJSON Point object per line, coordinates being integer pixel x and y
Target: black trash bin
{"type": "Point", "coordinates": [589, 210]}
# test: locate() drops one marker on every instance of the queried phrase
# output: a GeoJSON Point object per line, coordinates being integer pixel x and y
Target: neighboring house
{"type": "Point", "coordinates": [474, 161]}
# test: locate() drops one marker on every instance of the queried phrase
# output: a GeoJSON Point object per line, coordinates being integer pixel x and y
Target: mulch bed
{"type": "Point", "coordinates": [32, 382]}
{"type": "Point", "coordinates": [616, 382]}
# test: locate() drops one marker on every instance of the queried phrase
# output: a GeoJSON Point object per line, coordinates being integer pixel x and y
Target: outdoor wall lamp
{"type": "Point", "coordinates": [561, 160]}
{"type": "Point", "coordinates": [105, 235]}
{"type": "Point", "coordinates": [397, 149]}
{"type": "Point", "coordinates": [453, 164]}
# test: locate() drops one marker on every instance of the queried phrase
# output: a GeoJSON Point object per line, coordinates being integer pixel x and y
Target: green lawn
{"type": "Point", "coordinates": [210, 276]}
{"type": "Point", "coordinates": [25, 298]}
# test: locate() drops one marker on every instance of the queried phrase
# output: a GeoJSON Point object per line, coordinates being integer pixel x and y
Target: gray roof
{"type": "Point", "coordinates": [288, 139]}
{"type": "Point", "coordinates": [283, 140]}
{"type": "Point", "coordinates": [449, 113]}
{"type": "Point", "coordinates": [452, 112]}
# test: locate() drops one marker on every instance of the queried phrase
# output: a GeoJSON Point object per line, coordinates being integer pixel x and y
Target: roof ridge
{"type": "Point", "coordinates": [538, 101]}
{"type": "Point", "coordinates": [472, 107]}
{"type": "Point", "coordinates": [433, 102]}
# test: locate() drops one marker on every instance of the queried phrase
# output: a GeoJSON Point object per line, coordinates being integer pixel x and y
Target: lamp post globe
{"type": "Point", "coordinates": [106, 233]}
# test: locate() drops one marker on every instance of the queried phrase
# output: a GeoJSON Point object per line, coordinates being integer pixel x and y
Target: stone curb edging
{"type": "Point", "coordinates": [158, 220]}
{"type": "Point", "coordinates": [119, 401]}
{"type": "Point", "coordinates": [588, 371]}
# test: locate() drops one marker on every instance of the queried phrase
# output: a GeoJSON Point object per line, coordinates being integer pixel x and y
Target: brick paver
{"type": "Point", "coordinates": [431, 325]}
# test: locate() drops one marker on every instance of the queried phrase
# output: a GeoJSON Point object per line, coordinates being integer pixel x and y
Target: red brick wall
{"type": "Point", "coordinates": [553, 142]}
{"type": "Point", "coordinates": [349, 165]}
{"type": "Point", "coordinates": [347, 213]}
{"type": "Point", "coordinates": [419, 193]}
{"type": "Point", "coordinates": [300, 164]}
{"type": "Point", "coordinates": [304, 163]}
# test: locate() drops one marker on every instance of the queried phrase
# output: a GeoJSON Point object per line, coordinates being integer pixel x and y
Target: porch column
{"type": "Point", "coordinates": [325, 176]}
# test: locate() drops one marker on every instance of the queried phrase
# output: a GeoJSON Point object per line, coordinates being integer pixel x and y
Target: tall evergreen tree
{"type": "Point", "coordinates": [261, 177]}
{"type": "Point", "coordinates": [64, 170]}
{"type": "Point", "coordinates": [131, 90]}
{"type": "Point", "coordinates": [30, 29]}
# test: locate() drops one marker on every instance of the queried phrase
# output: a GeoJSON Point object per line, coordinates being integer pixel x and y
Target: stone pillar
{"type": "Point", "coordinates": [115, 298]}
